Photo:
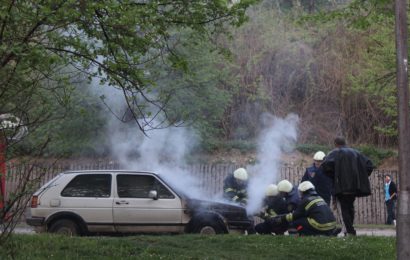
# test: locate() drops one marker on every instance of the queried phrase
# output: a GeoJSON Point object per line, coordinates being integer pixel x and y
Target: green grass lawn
{"type": "Point", "coordinates": [48, 246]}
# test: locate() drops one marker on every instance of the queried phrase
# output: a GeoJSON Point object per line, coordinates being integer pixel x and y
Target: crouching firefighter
{"type": "Point", "coordinates": [273, 205]}
{"type": "Point", "coordinates": [235, 187]}
{"type": "Point", "coordinates": [313, 216]}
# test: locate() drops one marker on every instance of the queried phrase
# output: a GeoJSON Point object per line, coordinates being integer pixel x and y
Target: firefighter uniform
{"type": "Point", "coordinates": [313, 216]}
{"type": "Point", "coordinates": [235, 190]}
{"type": "Point", "coordinates": [274, 206]}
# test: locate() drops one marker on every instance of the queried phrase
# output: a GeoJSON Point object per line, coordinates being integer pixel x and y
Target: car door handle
{"type": "Point", "coordinates": [121, 202]}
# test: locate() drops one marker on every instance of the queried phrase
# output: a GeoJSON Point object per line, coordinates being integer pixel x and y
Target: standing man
{"type": "Point", "coordinates": [390, 191]}
{"type": "Point", "coordinates": [235, 186]}
{"type": "Point", "coordinates": [350, 171]}
{"type": "Point", "coordinates": [323, 183]}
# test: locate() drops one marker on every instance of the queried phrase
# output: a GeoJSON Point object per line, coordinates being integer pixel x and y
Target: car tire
{"type": "Point", "coordinates": [216, 226]}
{"type": "Point", "coordinates": [208, 229]}
{"type": "Point", "coordinates": [65, 227]}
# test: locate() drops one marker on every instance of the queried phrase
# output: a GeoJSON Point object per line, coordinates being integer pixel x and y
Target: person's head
{"type": "Point", "coordinates": [271, 190]}
{"type": "Point", "coordinates": [340, 141]}
{"type": "Point", "coordinates": [305, 186]}
{"type": "Point", "coordinates": [318, 158]}
{"type": "Point", "coordinates": [387, 178]}
{"type": "Point", "coordinates": [240, 175]}
{"type": "Point", "coordinates": [284, 186]}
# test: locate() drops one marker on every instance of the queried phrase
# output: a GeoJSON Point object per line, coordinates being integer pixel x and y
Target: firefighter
{"type": "Point", "coordinates": [323, 183]}
{"type": "Point", "coordinates": [313, 216]}
{"type": "Point", "coordinates": [273, 206]}
{"type": "Point", "coordinates": [290, 194]}
{"type": "Point", "coordinates": [235, 186]}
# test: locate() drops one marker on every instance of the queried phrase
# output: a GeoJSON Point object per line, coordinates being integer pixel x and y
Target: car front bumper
{"type": "Point", "coordinates": [35, 221]}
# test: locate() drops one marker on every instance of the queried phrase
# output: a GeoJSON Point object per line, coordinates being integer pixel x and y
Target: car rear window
{"type": "Point", "coordinates": [89, 185]}
{"type": "Point", "coordinates": [138, 186]}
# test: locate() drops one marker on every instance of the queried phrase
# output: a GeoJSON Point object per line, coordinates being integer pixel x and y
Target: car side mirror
{"type": "Point", "coordinates": [153, 194]}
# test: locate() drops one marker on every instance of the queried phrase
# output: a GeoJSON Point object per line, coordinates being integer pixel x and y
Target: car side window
{"type": "Point", "coordinates": [138, 186]}
{"type": "Point", "coordinates": [89, 185]}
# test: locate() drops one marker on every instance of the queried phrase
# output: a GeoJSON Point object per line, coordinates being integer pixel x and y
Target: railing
{"type": "Point", "coordinates": [369, 210]}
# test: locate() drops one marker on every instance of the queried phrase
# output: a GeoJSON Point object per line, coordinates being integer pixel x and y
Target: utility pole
{"type": "Point", "coordinates": [403, 223]}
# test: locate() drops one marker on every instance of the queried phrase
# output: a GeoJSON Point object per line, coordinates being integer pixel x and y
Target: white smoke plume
{"type": "Point", "coordinates": [162, 151]}
{"type": "Point", "coordinates": [278, 136]}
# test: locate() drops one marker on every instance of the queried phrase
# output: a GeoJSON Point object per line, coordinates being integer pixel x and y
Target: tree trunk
{"type": "Point", "coordinates": [403, 223]}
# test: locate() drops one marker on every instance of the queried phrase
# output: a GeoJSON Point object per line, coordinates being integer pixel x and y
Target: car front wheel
{"type": "Point", "coordinates": [65, 227]}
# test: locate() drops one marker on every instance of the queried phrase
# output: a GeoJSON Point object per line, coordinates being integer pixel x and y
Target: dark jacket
{"type": "Point", "coordinates": [274, 205]}
{"type": "Point", "coordinates": [393, 190]}
{"type": "Point", "coordinates": [316, 210]}
{"type": "Point", "coordinates": [323, 183]}
{"type": "Point", "coordinates": [234, 191]}
{"type": "Point", "coordinates": [350, 171]}
{"type": "Point", "coordinates": [292, 199]}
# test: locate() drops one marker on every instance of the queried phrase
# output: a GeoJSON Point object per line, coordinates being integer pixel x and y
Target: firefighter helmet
{"type": "Point", "coordinates": [271, 190]}
{"type": "Point", "coordinates": [285, 186]}
{"type": "Point", "coordinates": [319, 156]}
{"type": "Point", "coordinates": [240, 174]}
{"type": "Point", "coordinates": [306, 185]}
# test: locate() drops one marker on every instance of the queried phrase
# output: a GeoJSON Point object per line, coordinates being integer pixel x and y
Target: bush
{"type": "Point", "coordinates": [312, 148]}
{"type": "Point", "coordinates": [377, 155]}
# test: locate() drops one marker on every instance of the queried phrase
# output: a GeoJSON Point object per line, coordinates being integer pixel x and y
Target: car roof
{"type": "Point", "coordinates": [110, 171]}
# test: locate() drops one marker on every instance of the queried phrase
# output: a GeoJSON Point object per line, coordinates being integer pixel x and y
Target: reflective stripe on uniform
{"type": "Point", "coordinates": [272, 213]}
{"type": "Point", "coordinates": [235, 198]}
{"type": "Point", "coordinates": [289, 217]}
{"type": "Point", "coordinates": [229, 189]}
{"type": "Point", "coordinates": [321, 227]}
{"type": "Point", "coordinates": [313, 202]}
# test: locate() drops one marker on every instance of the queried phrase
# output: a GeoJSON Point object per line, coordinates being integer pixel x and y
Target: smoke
{"type": "Point", "coordinates": [162, 151]}
{"type": "Point", "coordinates": [278, 136]}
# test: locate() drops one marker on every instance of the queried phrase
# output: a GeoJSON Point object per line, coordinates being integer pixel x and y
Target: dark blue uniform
{"type": "Point", "coordinates": [323, 183]}
{"type": "Point", "coordinates": [313, 216]}
{"type": "Point", "coordinates": [275, 205]}
{"type": "Point", "coordinates": [292, 199]}
{"type": "Point", "coordinates": [235, 191]}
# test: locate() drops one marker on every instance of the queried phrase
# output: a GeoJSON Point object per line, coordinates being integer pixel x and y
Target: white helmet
{"type": "Point", "coordinates": [285, 186]}
{"type": "Point", "coordinates": [240, 174]}
{"type": "Point", "coordinates": [319, 156]}
{"type": "Point", "coordinates": [271, 190]}
{"type": "Point", "coordinates": [306, 185]}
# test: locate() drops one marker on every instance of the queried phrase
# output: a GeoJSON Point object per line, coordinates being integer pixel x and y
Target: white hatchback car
{"type": "Point", "coordinates": [87, 202]}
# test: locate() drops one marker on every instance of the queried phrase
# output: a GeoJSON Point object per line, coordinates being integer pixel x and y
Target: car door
{"type": "Point", "coordinates": [135, 211]}
{"type": "Point", "coordinates": [89, 196]}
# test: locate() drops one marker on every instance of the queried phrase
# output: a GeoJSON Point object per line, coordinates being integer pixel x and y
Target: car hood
{"type": "Point", "coordinates": [230, 212]}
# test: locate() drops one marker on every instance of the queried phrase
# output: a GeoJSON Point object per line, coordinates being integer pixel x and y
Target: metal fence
{"type": "Point", "coordinates": [369, 210]}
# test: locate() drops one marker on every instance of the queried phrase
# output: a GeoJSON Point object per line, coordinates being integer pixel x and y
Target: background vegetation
{"type": "Point", "coordinates": [330, 62]}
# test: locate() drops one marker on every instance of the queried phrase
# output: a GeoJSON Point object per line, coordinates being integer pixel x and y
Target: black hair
{"type": "Point", "coordinates": [340, 140]}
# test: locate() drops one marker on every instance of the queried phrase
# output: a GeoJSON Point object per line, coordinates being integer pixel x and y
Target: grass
{"type": "Point", "coordinates": [197, 247]}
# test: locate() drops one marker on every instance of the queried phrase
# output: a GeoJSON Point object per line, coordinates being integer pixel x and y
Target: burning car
{"type": "Point", "coordinates": [90, 202]}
